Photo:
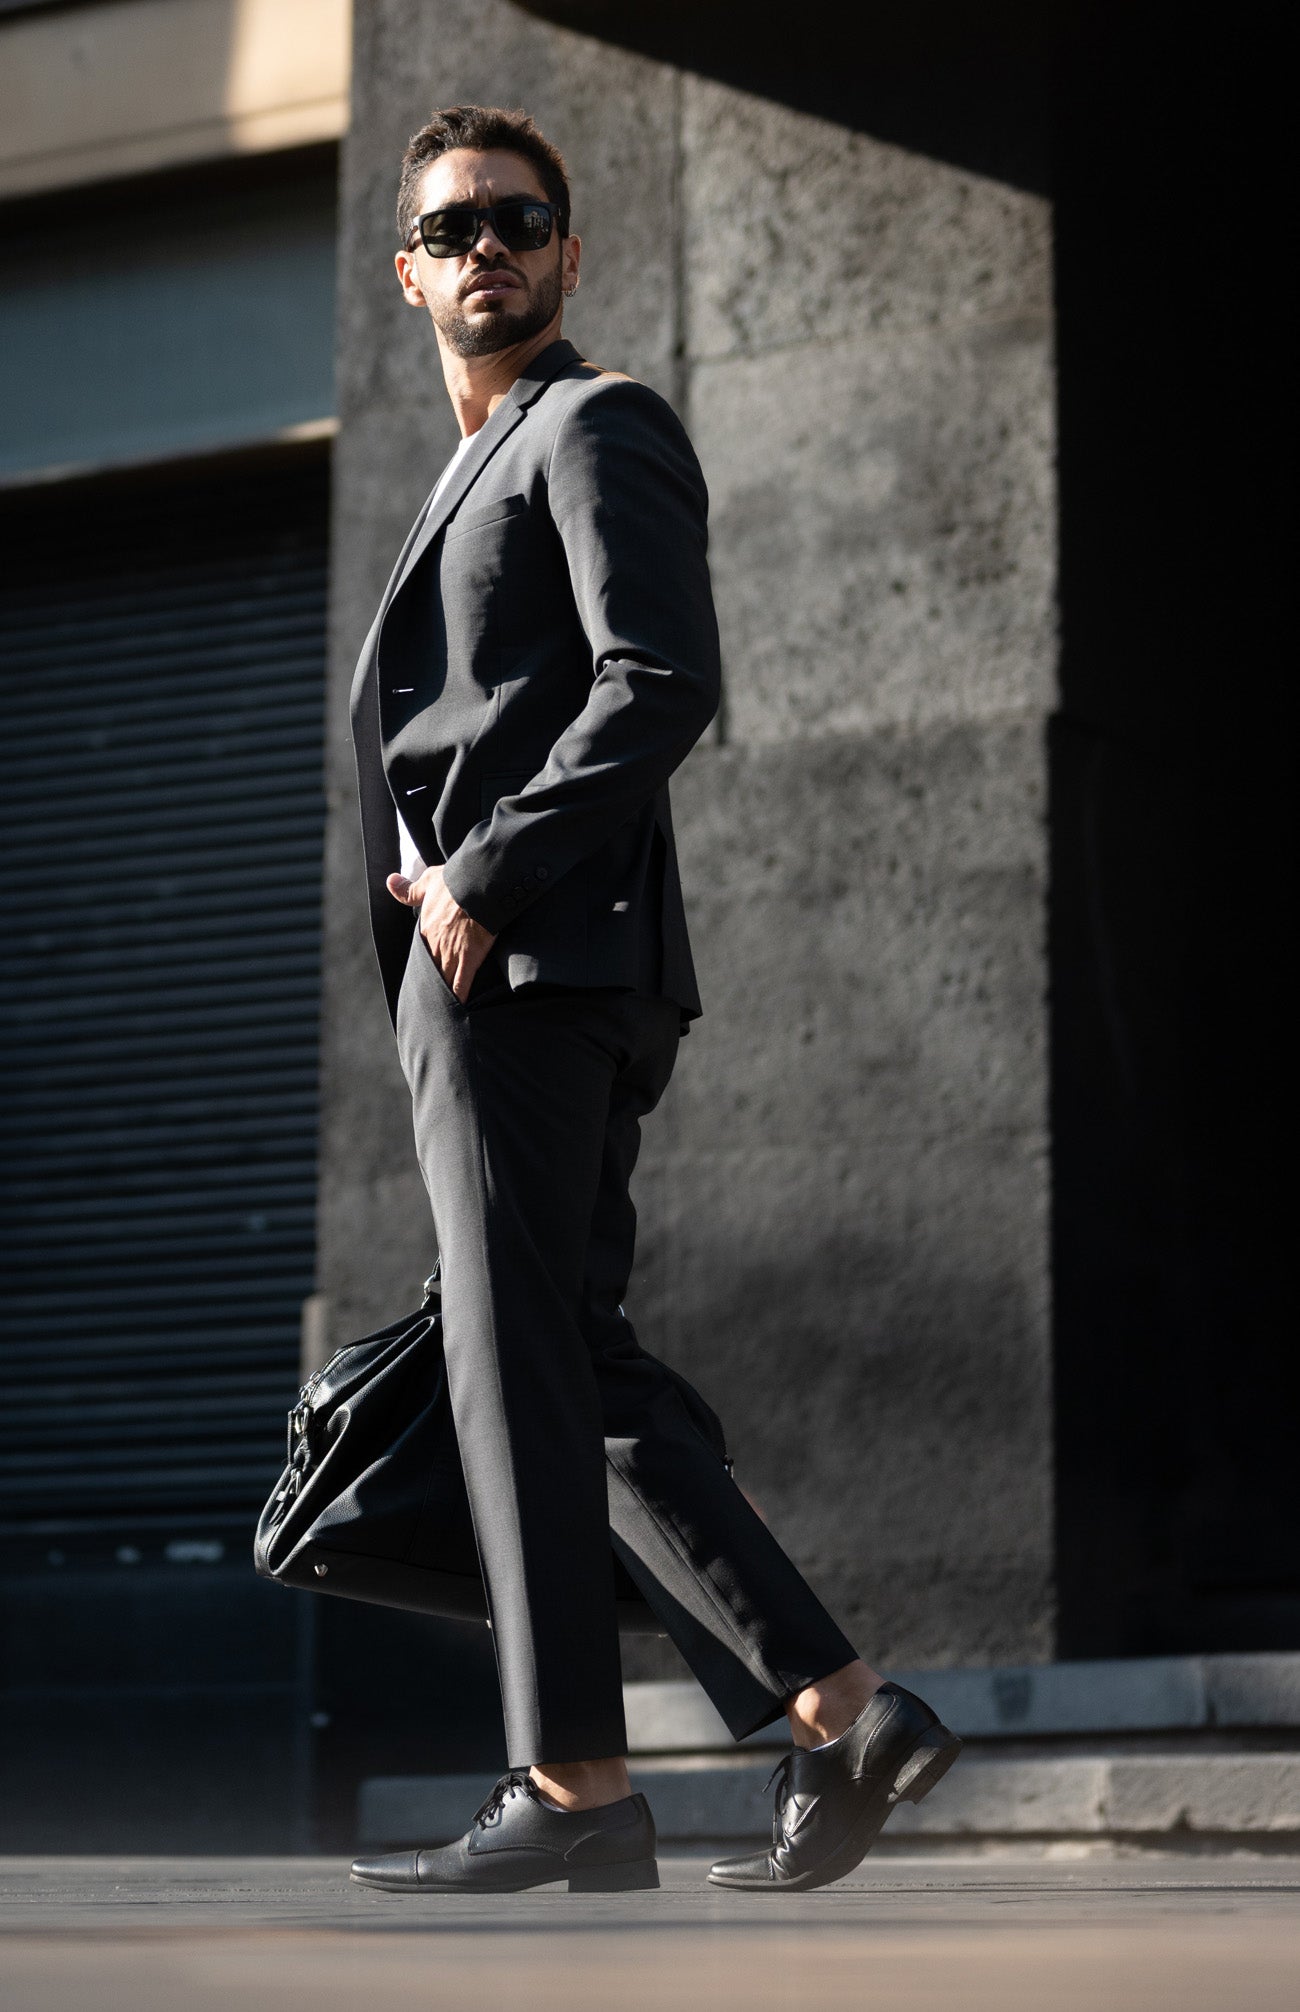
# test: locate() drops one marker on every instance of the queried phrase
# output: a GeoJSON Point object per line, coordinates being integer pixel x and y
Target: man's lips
{"type": "Point", "coordinates": [491, 283]}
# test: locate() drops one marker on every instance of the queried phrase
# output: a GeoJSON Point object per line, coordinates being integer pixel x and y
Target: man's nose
{"type": "Point", "coordinates": [487, 244]}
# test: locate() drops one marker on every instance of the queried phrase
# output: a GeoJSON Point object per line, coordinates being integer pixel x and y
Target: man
{"type": "Point", "coordinates": [545, 656]}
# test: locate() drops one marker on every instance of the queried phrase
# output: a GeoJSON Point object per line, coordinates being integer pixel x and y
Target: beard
{"type": "Point", "coordinates": [505, 325]}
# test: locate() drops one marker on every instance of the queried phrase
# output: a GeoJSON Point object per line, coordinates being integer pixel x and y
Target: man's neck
{"type": "Point", "coordinates": [476, 385]}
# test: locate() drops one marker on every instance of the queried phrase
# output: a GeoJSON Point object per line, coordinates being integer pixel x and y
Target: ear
{"type": "Point", "coordinates": [408, 277]}
{"type": "Point", "coordinates": [570, 259]}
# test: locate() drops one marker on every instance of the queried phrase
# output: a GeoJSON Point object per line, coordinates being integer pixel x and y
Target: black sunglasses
{"type": "Point", "coordinates": [523, 223]}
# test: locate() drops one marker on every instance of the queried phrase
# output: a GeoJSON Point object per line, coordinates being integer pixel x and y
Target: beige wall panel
{"type": "Point", "coordinates": [86, 94]}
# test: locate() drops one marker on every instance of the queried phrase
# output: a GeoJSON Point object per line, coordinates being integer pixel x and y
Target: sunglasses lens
{"type": "Point", "coordinates": [523, 226]}
{"type": "Point", "coordinates": [448, 233]}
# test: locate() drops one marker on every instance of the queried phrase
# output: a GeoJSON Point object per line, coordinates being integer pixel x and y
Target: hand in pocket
{"type": "Point", "coordinates": [456, 943]}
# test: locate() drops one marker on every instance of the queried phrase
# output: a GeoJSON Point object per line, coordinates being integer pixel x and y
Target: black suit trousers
{"type": "Point", "coordinates": [576, 1443]}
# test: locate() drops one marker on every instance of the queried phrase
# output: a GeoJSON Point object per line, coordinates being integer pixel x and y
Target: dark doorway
{"type": "Point", "coordinates": [1176, 1386]}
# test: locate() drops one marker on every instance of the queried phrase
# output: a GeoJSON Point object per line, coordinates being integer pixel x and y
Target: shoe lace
{"type": "Point", "coordinates": [783, 1768]}
{"type": "Point", "coordinates": [490, 1810]}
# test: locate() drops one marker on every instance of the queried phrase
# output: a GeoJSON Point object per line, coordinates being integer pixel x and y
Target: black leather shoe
{"type": "Point", "coordinates": [516, 1841]}
{"type": "Point", "coordinates": [833, 1800]}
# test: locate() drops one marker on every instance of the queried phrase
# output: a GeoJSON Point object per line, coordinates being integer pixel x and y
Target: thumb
{"type": "Point", "coordinates": [402, 890]}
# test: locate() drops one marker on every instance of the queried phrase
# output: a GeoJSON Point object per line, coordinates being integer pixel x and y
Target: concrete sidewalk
{"type": "Point", "coordinates": [1091, 1933]}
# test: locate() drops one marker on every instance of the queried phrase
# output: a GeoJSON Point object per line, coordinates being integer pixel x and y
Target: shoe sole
{"type": "Point", "coordinates": [641, 1876]}
{"type": "Point", "coordinates": [924, 1768]}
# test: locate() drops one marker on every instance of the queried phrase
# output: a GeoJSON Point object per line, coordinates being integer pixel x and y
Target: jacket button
{"type": "Point", "coordinates": [543, 872]}
{"type": "Point", "coordinates": [529, 881]}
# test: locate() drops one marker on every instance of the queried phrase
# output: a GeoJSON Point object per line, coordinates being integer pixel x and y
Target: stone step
{"type": "Point", "coordinates": [1170, 1798]}
{"type": "Point", "coordinates": [1141, 1695]}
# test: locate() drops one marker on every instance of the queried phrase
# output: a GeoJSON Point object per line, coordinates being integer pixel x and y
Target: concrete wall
{"type": "Point", "coordinates": [843, 1198]}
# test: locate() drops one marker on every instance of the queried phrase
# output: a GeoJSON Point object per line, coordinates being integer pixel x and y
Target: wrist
{"type": "Point", "coordinates": [491, 912]}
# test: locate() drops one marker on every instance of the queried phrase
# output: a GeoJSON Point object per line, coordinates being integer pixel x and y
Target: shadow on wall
{"type": "Point", "coordinates": [1174, 1395]}
{"type": "Point", "coordinates": [961, 84]}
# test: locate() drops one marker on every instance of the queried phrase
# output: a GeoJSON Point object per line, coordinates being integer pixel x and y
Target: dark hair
{"type": "Point", "coordinates": [484, 128]}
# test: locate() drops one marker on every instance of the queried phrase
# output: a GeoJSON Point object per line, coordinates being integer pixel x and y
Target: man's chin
{"type": "Point", "coordinates": [490, 328]}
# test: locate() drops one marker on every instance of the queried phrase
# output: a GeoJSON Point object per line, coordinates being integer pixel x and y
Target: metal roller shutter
{"type": "Point", "coordinates": [162, 814]}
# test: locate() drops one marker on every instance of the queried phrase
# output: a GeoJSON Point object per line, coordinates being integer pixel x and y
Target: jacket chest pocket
{"type": "Point", "coordinates": [481, 518]}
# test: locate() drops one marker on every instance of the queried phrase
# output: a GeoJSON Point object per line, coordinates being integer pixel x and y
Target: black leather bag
{"type": "Point", "coordinates": [372, 1504]}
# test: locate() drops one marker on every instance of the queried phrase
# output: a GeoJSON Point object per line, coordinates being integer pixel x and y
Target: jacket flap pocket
{"type": "Point", "coordinates": [486, 513]}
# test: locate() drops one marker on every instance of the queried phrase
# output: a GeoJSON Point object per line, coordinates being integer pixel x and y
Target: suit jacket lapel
{"type": "Point", "coordinates": [365, 655]}
{"type": "Point", "coordinates": [529, 385]}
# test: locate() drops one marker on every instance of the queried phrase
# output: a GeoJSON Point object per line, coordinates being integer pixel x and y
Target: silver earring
{"type": "Point", "coordinates": [569, 291]}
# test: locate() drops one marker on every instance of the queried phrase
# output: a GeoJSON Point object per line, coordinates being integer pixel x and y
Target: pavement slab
{"type": "Point", "coordinates": [975, 1934]}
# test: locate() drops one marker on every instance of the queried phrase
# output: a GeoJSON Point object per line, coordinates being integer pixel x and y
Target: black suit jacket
{"type": "Point", "coordinates": [544, 657]}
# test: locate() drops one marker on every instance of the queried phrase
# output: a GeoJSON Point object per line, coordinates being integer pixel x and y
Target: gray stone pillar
{"type": "Point", "coordinates": [844, 1198]}
{"type": "Point", "coordinates": [616, 119]}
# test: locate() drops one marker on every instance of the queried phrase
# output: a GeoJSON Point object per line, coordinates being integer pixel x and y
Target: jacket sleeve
{"type": "Point", "coordinates": [629, 502]}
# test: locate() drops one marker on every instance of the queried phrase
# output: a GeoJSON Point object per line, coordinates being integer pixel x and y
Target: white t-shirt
{"type": "Point", "coordinates": [412, 865]}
